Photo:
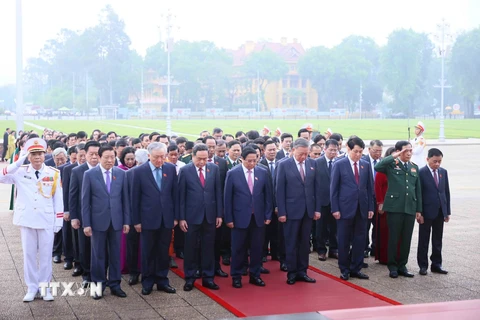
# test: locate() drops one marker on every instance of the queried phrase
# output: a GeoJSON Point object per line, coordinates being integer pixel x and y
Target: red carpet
{"type": "Point", "coordinates": [277, 297]}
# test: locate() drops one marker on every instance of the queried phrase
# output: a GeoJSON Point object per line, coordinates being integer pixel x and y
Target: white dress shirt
{"type": "Point", "coordinates": [353, 167]}
{"type": "Point", "coordinates": [105, 175]}
{"type": "Point", "coordinates": [298, 167]}
{"type": "Point", "coordinates": [245, 171]}
{"type": "Point", "coordinates": [204, 171]}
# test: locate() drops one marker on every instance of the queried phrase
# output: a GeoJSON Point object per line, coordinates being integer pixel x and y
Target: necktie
{"type": "Point", "coordinates": [406, 166]}
{"type": "Point", "coordinates": [37, 173]}
{"type": "Point", "coordinates": [374, 172]}
{"type": "Point", "coordinates": [302, 173]}
{"type": "Point", "coordinates": [202, 177]}
{"type": "Point", "coordinates": [286, 155]}
{"type": "Point", "coordinates": [272, 169]}
{"type": "Point", "coordinates": [250, 181]}
{"type": "Point", "coordinates": [435, 177]}
{"type": "Point", "coordinates": [357, 177]}
{"type": "Point", "coordinates": [158, 177]}
{"type": "Point", "coordinates": [329, 166]}
{"type": "Point", "coordinates": [107, 180]}
{"type": "Point", "coordinates": [209, 160]}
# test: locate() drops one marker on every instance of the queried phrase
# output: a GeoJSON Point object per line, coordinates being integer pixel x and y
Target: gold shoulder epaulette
{"type": "Point", "coordinates": [53, 168]}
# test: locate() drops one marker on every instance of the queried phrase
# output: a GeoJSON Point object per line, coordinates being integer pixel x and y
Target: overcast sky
{"type": "Point", "coordinates": [230, 23]}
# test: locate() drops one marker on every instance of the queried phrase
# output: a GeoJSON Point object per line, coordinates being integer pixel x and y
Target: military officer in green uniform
{"type": "Point", "coordinates": [403, 204]}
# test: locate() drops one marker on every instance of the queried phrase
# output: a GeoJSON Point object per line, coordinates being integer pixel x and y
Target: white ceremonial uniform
{"type": "Point", "coordinates": [39, 213]}
{"type": "Point", "coordinates": [418, 145]}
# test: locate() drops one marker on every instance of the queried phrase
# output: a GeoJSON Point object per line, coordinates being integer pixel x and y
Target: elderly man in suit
{"type": "Point", "coordinates": [200, 213]}
{"type": "Point", "coordinates": [297, 208]}
{"type": "Point", "coordinates": [351, 199]}
{"type": "Point", "coordinates": [153, 190]}
{"type": "Point", "coordinates": [105, 213]}
{"type": "Point", "coordinates": [436, 211]}
{"type": "Point", "coordinates": [75, 207]}
{"type": "Point", "coordinates": [248, 208]}
{"type": "Point", "coordinates": [403, 202]}
{"type": "Point", "coordinates": [326, 225]}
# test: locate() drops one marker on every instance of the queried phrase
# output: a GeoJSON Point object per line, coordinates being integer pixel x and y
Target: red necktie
{"type": "Point", "coordinates": [357, 177]}
{"type": "Point", "coordinates": [209, 160]}
{"type": "Point", "coordinates": [435, 177]}
{"type": "Point", "coordinates": [202, 178]}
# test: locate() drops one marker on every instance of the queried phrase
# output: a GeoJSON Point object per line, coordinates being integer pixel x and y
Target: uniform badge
{"type": "Point", "coordinates": [414, 170]}
{"type": "Point", "coordinates": [27, 177]}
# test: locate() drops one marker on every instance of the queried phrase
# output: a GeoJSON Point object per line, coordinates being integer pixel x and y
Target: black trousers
{"type": "Point", "coordinates": [297, 245]}
{"type": "Point", "coordinates": [271, 238]}
{"type": "Point", "coordinates": [435, 227]}
{"type": "Point", "coordinates": [58, 243]}
{"type": "Point", "coordinates": [400, 229]}
{"type": "Point", "coordinates": [326, 230]}
{"type": "Point", "coordinates": [85, 248]}
{"type": "Point", "coordinates": [351, 231]}
{"type": "Point", "coordinates": [206, 233]}
{"type": "Point", "coordinates": [155, 259]}
{"type": "Point", "coordinates": [282, 257]}
{"type": "Point", "coordinates": [67, 241]}
{"type": "Point", "coordinates": [133, 247]}
{"type": "Point", "coordinates": [178, 239]}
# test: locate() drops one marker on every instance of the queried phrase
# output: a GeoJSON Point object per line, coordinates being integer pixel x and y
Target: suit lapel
{"type": "Point", "coordinates": [99, 175]}
{"type": "Point", "coordinates": [150, 176]}
{"type": "Point", "coordinates": [197, 178]}
{"type": "Point", "coordinates": [296, 170]}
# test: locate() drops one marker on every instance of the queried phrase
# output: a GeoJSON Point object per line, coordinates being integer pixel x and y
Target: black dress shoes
{"type": "Point", "coordinates": [210, 285]}
{"type": "Point", "coordinates": [237, 283]}
{"type": "Point", "coordinates": [283, 267]}
{"type": "Point", "coordinates": [364, 265]}
{"type": "Point", "coordinates": [173, 264]}
{"type": "Point", "coordinates": [78, 271]}
{"type": "Point", "coordinates": [226, 261]}
{"type": "Point", "coordinates": [219, 272]}
{"type": "Point", "coordinates": [359, 275]}
{"type": "Point", "coordinates": [133, 279]}
{"type": "Point", "coordinates": [438, 270]}
{"type": "Point", "coordinates": [188, 286]}
{"type": "Point", "coordinates": [305, 278]}
{"type": "Point", "coordinates": [264, 270]}
{"type": "Point", "coordinates": [257, 281]}
{"type": "Point", "coordinates": [146, 291]}
{"type": "Point", "coordinates": [264, 259]}
{"type": "Point", "coordinates": [167, 288]}
{"type": "Point", "coordinates": [118, 292]}
{"type": "Point", "coordinates": [405, 273]}
{"type": "Point", "coordinates": [423, 271]}
{"type": "Point", "coordinates": [57, 259]}
{"type": "Point", "coordinates": [322, 257]}
{"type": "Point", "coordinates": [97, 296]}
{"type": "Point", "coordinates": [68, 265]}
{"type": "Point", "coordinates": [291, 280]}
{"type": "Point", "coordinates": [345, 276]}
{"type": "Point", "coordinates": [393, 274]}
{"type": "Point", "coordinates": [198, 274]}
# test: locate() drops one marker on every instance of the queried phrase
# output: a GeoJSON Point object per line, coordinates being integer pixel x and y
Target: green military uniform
{"type": "Point", "coordinates": [231, 164]}
{"type": "Point", "coordinates": [402, 201]}
{"type": "Point", "coordinates": [186, 158]}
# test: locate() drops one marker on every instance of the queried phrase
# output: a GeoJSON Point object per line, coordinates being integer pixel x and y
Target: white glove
{"type": "Point", "coordinates": [17, 164]}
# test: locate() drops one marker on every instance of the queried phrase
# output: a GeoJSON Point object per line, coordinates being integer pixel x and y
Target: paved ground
{"type": "Point", "coordinates": [461, 258]}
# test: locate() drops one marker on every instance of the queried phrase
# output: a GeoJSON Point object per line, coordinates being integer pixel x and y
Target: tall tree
{"type": "Point", "coordinates": [404, 67]}
{"type": "Point", "coordinates": [267, 66]}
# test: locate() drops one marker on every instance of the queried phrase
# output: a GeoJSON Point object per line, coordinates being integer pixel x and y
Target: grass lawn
{"type": "Point", "coordinates": [366, 129]}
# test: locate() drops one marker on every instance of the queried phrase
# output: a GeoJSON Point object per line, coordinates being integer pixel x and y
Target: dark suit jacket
{"type": "Point", "coordinates": [345, 194]}
{"type": "Point", "coordinates": [197, 202]}
{"type": "Point", "coordinates": [50, 162]}
{"type": "Point", "coordinates": [223, 167]}
{"type": "Point", "coordinates": [75, 192]}
{"type": "Point", "coordinates": [323, 177]}
{"type": "Point", "coordinates": [240, 203]}
{"type": "Point", "coordinates": [435, 198]}
{"type": "Point", "coordinates": [5, 138]}
{"type": "Point", "coordinates": [100, 207]}
{"type": "Point", "coordinates": [294, 196]}
{"type": "Point", "coordinates": [280, 154]}
{"type": "Point", "coordinates": [66, 172]}
{"type": "Point", "coordinates": [151, 206]}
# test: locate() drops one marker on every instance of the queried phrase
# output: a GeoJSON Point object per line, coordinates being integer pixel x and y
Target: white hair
{"type": "Point", "coordinates": [58, 151]}
{"type": "Point", "coordinates": [141, 156]}
{"type": "Point", "coordinates": [156, 146]}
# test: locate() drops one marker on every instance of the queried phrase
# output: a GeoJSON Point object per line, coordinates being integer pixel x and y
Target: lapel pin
{"type": "Point", "coordinates": [165, 175]}
{"type": "Point", "coordinates": [114, 177]}
{"type": "Point", "coordinates": [256, 178]}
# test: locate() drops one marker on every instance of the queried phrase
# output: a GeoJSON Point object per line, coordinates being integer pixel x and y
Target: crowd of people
{"type": "Point", "coordinates": [109, 205]}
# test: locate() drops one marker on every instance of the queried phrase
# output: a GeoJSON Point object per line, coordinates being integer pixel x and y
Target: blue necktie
{"type": "Point", "coordinates": [272, 169]}
{"type": "Point", "coordinates": [158, 177]}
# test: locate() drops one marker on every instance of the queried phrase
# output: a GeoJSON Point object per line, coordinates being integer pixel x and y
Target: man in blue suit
{"type": "Point", "coordinates": [351, 198]}
{"type": "Point", "coordinates": [436, 211]}
{"type": "Point", "coordinates": [200, 213]}
{"type": "Point", "coordinates": [297, 206]}
{"type": "Point", "coordinates": [248, 208]}
{"type": "Point", "coordinates": [75, 207]}
{"type": "Point", "coordinates": [105, 213]}
{"type": "Point", "coordinates": [153, 190]}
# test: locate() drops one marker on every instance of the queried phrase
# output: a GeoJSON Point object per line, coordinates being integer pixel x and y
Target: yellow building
{"type": "Point", "coordinates": [292, 92]}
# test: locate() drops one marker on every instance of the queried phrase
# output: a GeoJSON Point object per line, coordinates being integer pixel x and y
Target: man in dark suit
{"type": "Point", "coordinates": [200, 212]}
{"type": "Point", "coordinates": [326, 225]}
{"type": "Point", "coordinates": [223, 231]}
{"type": "Point", "coordinates": [436, 211]}
{"type": "Point", "coordinates": [248, 208]}
{"type": "Point", "coordinates": [373, 157]}
{"type": "Point", "coordinates": [105, 214]}
{"type": "Point", "coordinates": [351, 199]}
{"type": "Point", "coordinates": [286, 140]}
{"type": "Point", "coordinates": [403, 202]}
{"type": "Point", "coordinates": [154, 189]}
{"type": "Point", "coordinates": [75, 206]}
{"type": "Point", "coordinates": [271, 230]}
{"type": "Point", "coordinates": [5, 143]}
{"type": "Point", "coordinates": [297, 208]}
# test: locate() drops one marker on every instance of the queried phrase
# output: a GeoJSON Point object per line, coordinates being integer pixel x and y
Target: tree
{"type": "Point", "coordinates": [404, 67]}
{"type": "Point", "coordinates": [267, 66]}
{"type": "Point", "coordinates": [465, 67]}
